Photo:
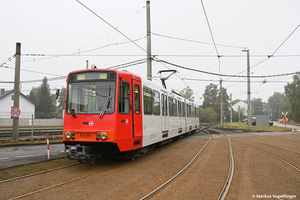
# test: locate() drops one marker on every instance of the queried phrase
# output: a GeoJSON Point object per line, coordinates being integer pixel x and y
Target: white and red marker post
{"type": "Point", "coordinates": [48, 146]}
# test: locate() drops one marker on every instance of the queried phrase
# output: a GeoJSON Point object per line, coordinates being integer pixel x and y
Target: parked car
{"type": "Point", "coordinates": [254, 121]}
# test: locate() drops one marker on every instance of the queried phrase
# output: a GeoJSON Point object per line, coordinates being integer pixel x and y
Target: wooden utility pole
{"type": "Point", "coordinates": [149, 64]}
{"type": "Point", "coordinates": [17, 91]}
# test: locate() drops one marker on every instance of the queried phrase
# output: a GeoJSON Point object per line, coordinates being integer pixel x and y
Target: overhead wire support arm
{"type": "Point", "coordinates": [163, 80]}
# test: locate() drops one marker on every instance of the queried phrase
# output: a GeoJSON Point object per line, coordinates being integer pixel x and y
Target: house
{"type": "Point", "coordinates": [26, 106]}
{"type": "Point", "coordinates": [242, 105]}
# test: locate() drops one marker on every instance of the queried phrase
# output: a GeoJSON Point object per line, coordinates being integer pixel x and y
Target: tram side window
{"type": "Point", "coordinates": [179, 108]}
{"type": "Point", "coordinates": [162, 105]}
{"type": "Point", "coordinates": [171, 109]}
{"type": "Point", "coordinates": [148, 106]}
{"type": "Point", "coordinates": [188, 110]}
{"type": "Point", "coordinates": [175, 107]}
{"type": "Point", "coordinates": [193, 111]}
{"type": "Point", "coordinates": [137, 99]}
{"type": "Point", "coordinates": [124, 98]}
{"type": "Point", "coordinates": [156, 103]}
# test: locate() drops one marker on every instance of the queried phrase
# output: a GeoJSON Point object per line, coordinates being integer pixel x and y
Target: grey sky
{"type": "Point", "coordinates": [180, 36]}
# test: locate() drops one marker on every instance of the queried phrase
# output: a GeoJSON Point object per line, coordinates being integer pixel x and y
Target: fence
{"type": "Point", "coordinates": [36, 122]}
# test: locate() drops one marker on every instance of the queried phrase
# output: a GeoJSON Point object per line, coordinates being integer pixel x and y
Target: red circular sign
{"type": "Point", "coordinates": [15, 112]}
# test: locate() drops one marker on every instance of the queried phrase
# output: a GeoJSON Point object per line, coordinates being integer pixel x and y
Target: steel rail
{"type": "Point", "coordinates": [285, 161]}
{"type": "Point", "coordinates": [38, 173]}
{"type": "Point", "coordinates": [63, 183]}
{"type": "Point", "coordinates": [179, 173]}
{"type": "Point", "coordinates": [270, 144]}
{"type": "Point", "coordinates": [226, 187]}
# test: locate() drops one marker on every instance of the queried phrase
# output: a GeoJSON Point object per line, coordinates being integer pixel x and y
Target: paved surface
{"type": "Point", "coordinates": [20, 155]}
{"type": "Point", "coordinates": [296, 127]}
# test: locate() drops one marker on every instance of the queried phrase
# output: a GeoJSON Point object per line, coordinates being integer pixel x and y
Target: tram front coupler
{"type": "Point", "coordinates": [77, 152]}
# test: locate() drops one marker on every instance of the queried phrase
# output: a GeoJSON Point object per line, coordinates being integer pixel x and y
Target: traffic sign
{"type": "Point", "coordinates": [15, 112]}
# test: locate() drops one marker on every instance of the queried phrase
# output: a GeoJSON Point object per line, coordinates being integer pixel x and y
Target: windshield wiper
{"type": "Point", "coordinates": [73, 113]}
{"type": "Point", "coordinates": [104, 107]}
{"type": "Point", "coordinates": [106, 104]}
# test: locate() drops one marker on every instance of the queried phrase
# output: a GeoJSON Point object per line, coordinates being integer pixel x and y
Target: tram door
{"type": "Point", "coordinates": [137, 120]}
{"type": "Point", "coordinates": [164, 112]}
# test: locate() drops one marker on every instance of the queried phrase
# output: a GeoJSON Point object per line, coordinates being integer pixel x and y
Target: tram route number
{"type": "Point", "coordinates": [85, 135]}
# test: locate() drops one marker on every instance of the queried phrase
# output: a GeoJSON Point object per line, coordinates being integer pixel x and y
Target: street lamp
{"type": "Point", "coordinates": [248, 86]}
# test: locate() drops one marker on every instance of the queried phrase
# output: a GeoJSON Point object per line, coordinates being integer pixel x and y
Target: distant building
{"type": "Point", "coordinates": [26, 106]}
{"type": "Point", "coordinates": [243, 105]}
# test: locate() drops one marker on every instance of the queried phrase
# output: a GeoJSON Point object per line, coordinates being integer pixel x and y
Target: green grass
{"type": "Point", "coordinates": [31, 142]}
{"type": "Point", "coordinates": [265, 128]}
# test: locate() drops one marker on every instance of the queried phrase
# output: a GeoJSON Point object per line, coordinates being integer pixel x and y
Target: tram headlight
{"type": "Point", "coordinates": [103, 136]}
{"type": "Point", "coordinates": [67, 135]}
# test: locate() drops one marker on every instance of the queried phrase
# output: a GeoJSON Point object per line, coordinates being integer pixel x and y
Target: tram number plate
{"type": "Point", "coordinates": [85, 135]}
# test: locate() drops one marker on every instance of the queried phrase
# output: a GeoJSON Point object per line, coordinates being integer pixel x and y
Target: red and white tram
{"type": "Point", "coordinates": [112, 111]}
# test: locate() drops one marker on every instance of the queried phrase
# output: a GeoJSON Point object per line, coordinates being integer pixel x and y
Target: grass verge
{"type": "Point", "coordinates": [34, 168]}
{"type": "Point", "coordinates": [264, 128]}
{"type": "Point", "coordinates": [34, 142]}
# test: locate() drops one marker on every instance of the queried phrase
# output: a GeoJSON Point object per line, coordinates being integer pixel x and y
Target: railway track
{"type": "Point", "coordinates": [66, 182]}
{"type": "Point", "coordinates": [227, 184]}
{"type": "Point", "coordinates": [131, 173]}
{"type": "Point", "coordinates": [27, 133]}
{"type": "Point", "coordinates": [37, 189]}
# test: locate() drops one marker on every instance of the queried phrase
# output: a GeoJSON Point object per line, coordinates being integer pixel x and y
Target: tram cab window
{"type": "Point", "coordinates": [86, 97]}
{"type": "Point", "coordinates": [124, 98]}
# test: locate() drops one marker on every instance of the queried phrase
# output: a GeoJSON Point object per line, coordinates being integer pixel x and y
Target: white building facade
{"type": "Point", "coordinates": [26, 107]}
{"type": "Point", "coordinates": [243, 106]}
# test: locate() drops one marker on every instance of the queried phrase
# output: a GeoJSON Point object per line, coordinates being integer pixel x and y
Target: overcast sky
{"type": "Point", "coordinates": [67, 34]}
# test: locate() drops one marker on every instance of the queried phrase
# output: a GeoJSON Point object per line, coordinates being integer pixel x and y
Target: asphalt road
{"type": "Point", "coordinates": [296, 127]}
{"type": "Point", "coordinates": [20, 155]}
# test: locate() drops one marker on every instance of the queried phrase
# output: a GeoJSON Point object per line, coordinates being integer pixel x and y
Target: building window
{"type": "Point", "coordinates": [12, 97]}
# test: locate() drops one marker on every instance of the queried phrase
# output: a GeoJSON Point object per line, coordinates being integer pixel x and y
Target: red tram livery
{"type": "Point", "coordinates": [111, 111]}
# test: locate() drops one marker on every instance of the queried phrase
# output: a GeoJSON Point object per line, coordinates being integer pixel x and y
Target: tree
{"type": "Point", "coordinates": [292, 91]}
{"type": "Point", "coordinates": [187, 93]}
{"type": "Point", "coordinates": [212, 98]}
{"type": "Point", "coordinates": [285, 107]}
{"type": "Point", "coordinates": [44, 102]}
{"type": "Point", "coordinates": [33, 94]}
{"type": "Point", "coordinates": [275, 103]}
{"type": "Point", "coordinates": [207, 115]}
{"type": "Point", "coordinates": [258, 106]}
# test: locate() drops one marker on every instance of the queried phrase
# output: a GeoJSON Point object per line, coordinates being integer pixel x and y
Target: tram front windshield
{"type": "Point", "coordinates": [91, 97]}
